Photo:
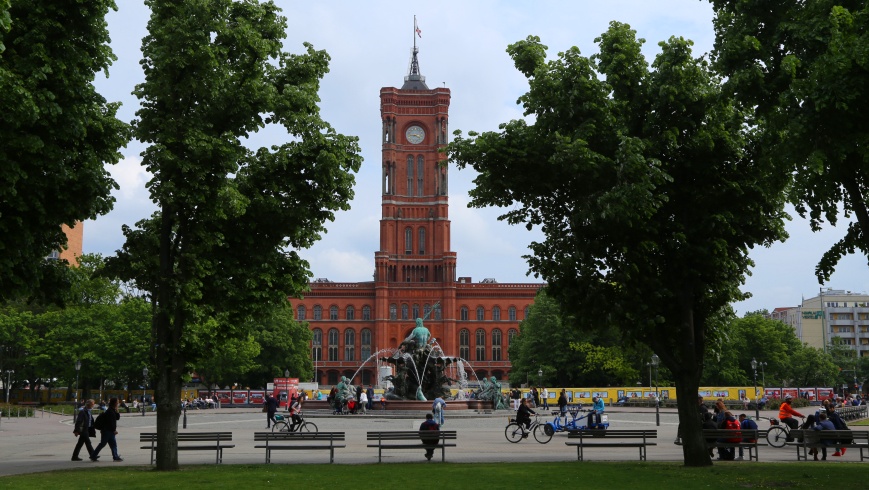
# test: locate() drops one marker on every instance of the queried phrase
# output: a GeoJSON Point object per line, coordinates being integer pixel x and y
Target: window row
{"type": "Point", "coordinates": [420, 173]}
{"type": "Point", "coordinates": [497, 352]}
{"type": "Point", "coordinates": [349, 313]}
{"type": "Point", "coordinates": [409, 312]}
{"type": "Point", "coordinates": [464, 313]}
{"type": "Point", "coordinates": [331, 346]}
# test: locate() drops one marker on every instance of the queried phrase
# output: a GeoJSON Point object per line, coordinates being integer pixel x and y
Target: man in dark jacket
{"type": "Point", "coordinates": [271, 408]}
{"type": "Point", "coordinates": [432, 440]}
{"type": "Point", "coordinates": [745, 423]}
{"type": "Point", "coordinates": [84, 430]}
{"type": "Point", "coordinates": [109, 430]}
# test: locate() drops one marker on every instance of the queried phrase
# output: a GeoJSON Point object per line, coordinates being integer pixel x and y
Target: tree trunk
{"type": "Point", "coordinates": [694, 451]}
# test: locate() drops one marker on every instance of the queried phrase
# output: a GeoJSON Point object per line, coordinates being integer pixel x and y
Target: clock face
{"type": "Point", "coordinates": [415, 135]}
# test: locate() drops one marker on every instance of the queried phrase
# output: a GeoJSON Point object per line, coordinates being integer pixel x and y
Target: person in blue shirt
{"type": "Point", "coordinates": [597, 408]}
{"type": "Point", "coordinates": [746, 423]}
{"type": "Point", "coordinates": [823, 424]}
{"type": "Point", "coordinates": [437, 408]}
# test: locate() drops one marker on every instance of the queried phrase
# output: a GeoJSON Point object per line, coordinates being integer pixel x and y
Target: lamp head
{"type": "Point", "coordinates": [655, 360]}
{"type": "Point", "coordinates": [753, 363]}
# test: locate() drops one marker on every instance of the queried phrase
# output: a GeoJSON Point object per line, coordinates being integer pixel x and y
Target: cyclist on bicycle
{"type": "Point", "coordinates": [523, 415]}
{"type": "Point", "coordinates": [295, 413]}
{"type": "Point", "coordinates": [785, 413]}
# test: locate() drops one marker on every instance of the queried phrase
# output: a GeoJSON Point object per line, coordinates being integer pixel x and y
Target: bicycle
{"type": "Point", "coordinates": [778, 432]}
{"type": "Point", "coordinates": [515, 432]}
{"type": "Point", "coordinates": [281, 425]}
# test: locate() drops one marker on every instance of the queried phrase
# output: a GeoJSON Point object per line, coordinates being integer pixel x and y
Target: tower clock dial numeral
{"type": "Point", "coordinates": [415, 134]}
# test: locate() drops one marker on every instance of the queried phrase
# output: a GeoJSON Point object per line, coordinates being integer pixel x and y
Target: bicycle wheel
{"type": "Point", "coordinates": [281, 427]}
{"type": "Point", "coordinates": [776, 436]}
{"type": "Point", "coordinates": [308, 427]}
{"type": "Point", "coordinates": [514, 432]}
{"type": "Point", "coordinates": [541, 434]}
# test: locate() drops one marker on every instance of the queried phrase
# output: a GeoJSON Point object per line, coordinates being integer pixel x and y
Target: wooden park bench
{"type": "Point", "coordinates": [832, 439]}
{"type": "Point", "coordinates": [713, 436]}
{"type": "Point", "coordinates": [304, 441]}
{"type": "Point", "coordinates": [200, 441]}
{"type": "Point", "coordinates": [411, 439]}
{"type": "Point", "coordinates": [594, 438]}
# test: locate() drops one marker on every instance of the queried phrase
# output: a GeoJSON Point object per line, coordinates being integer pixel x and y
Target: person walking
{"type": "Point", "coordinates": [109, 430]}
{"type": "Point", "coordinates": [363, 401]}
{"type": "Point", "coordinates": [429, 440]}
{"type": "Point", "coordinates": [370, 394]}
{"type": "Point", "coordinates": [271, 408]}
{"type": "Point", "coordinates": [437, 408]}
{"type": "Point", "coordinates": [84, 430]}
{"type": "Point", "coordinates": [562, 403]}
{"type": "Point", "coordinates": [545, 398]}
{"type": "Point", "coordinates": [516, 396]}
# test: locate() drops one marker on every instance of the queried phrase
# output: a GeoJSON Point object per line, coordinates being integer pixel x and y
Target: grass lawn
{"type": "Point", "coordinates": [447, 476]}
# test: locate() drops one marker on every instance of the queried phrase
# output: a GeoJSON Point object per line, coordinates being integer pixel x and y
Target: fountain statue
{"type": "Point", "coordinates": [420, 367]}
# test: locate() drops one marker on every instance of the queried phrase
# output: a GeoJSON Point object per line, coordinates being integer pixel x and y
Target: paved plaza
{"type": "Point", "coordinates": [46, 442]}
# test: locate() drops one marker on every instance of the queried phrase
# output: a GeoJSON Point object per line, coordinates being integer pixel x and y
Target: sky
{"type": "Point", "coordinates": [463, 47]}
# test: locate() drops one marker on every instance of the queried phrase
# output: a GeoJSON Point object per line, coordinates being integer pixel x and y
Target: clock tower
{"type": "Point", "coordinates": [415, 257]}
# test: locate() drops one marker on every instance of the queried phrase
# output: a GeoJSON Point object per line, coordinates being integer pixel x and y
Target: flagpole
{"type": "Point", "coordinates": [414, 33]}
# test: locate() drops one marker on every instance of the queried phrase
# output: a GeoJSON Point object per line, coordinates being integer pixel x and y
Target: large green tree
{"type": "Point", "coordinates": [222, 246]}
{"type": "Point", "coordinates": [644, 184]}
{"type": "Point", "coordinates": [802, 68]}
{"type": "Point", "coordinates": [56, 132]}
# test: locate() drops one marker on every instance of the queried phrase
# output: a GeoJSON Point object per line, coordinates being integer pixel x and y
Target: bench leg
{"type": "Point", "coordinates": [331, 454]}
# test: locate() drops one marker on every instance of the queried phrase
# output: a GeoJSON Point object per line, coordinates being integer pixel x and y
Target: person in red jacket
{"type": "Point", "coordinates": [786, 415]}
{"type": "Point", "coordinates": [729, 423]}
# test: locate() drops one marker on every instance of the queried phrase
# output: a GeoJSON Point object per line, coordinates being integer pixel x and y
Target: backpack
{"type": "Point", "coordinates": [101, 421]}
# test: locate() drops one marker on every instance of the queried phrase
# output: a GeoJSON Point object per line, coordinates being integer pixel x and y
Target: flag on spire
{"type": "Point", "coordinates": [416, 28]}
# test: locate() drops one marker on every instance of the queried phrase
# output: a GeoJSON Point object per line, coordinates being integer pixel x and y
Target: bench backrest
{"type": "Point", "coordinates": [814, 436]}
{"type": "Point", "coordinates": [729, 434]}
{"type": "Point", "coordinates": [404, 435]}
{"type": "Point", "coordinates": [613, 434]}
{"type": "Point", "coordinates": [190, 436]}
{"type": "Point", "coordinates": [297, 436]}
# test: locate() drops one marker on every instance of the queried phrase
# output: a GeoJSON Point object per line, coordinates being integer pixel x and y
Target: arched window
{"type": "Point", "coordinates": [511, 313]}
{"type": "Point", "coordinates": [393, 311]}
{"type": "Point", "coordinates": [408, 240]}
{"type": "Point", "coordinates": [318, 312]}
{"type": "Point", "coordinates": [333, 312]}
{"type": "Point", "coordinates": [437, 312]}
{"type": "Point", "coordinates": [366, 313]}
{"type": "Point", "coordinates": [317, 345]}
{"type": "Point", "coordinates": [333, 344]}
{"type": "Point", "coordinates": [481, 344]}
{"type": "Point", "coordinates": [420, 172]}
{"type": "Point", "coordinates": [300, 312]}
{"type": "Point", "coordinates": [426, 310]}
{"type": "Point", "coordinates": [350, 313]}
{"type": "Point", "coordinates": [525, 313]}
{"type": "Point", "coordinates": [496, 345]}
{"type": "Point", "coordinates": [349, 345]}
{"type": "Point", "coordinates": [416, 311]}
{"type": "Point", "coordinates": [405, 311]}
{"type": "Point", "coordinates": [463, 313]}
{"type": "Point", "coordinates": [422, 241]}
{"type": "Point", "coordinates": [496, 313]}
{"type": "Point", "coordinates": [366, 344]}
{"type": "Point", "coordinates": [465, 344]}
{"type": "Point", "coordinates": [480, 314]}
{"type": "Point", "coordinates": [410, 175]}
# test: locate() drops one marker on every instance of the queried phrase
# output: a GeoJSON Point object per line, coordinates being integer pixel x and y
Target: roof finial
{"type": "Point", "coordinates": [414, 80]}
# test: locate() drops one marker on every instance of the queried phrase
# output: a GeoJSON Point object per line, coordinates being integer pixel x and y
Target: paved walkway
{"type": "Point", "coordinates": [46, 442]}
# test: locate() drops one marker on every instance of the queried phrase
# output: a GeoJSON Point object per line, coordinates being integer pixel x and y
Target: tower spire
{"type": "Point", "coordinates": [414, 80]}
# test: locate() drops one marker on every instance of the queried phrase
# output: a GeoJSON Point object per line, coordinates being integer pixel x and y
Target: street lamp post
{"type": "Point", "coordinates": [655, 361]}
{"type": "Point", "coordinates": [756, 405]}
{"type": "Point", "coordinates": [762, 374]}
{"type": "Point", "coordinates": [77, 369]}
{"type": "Point", "coordinates": [144, 386]}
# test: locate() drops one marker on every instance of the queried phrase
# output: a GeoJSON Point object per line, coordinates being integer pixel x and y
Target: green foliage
{"type": "Point", "coordinates": [56, 133]}
{"type": "Point", "coordinates": [645, 185]}
{"type": "Point", "coordinates": [222, 249]}
{"type": "Point", "coordinates": [802, 68]}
